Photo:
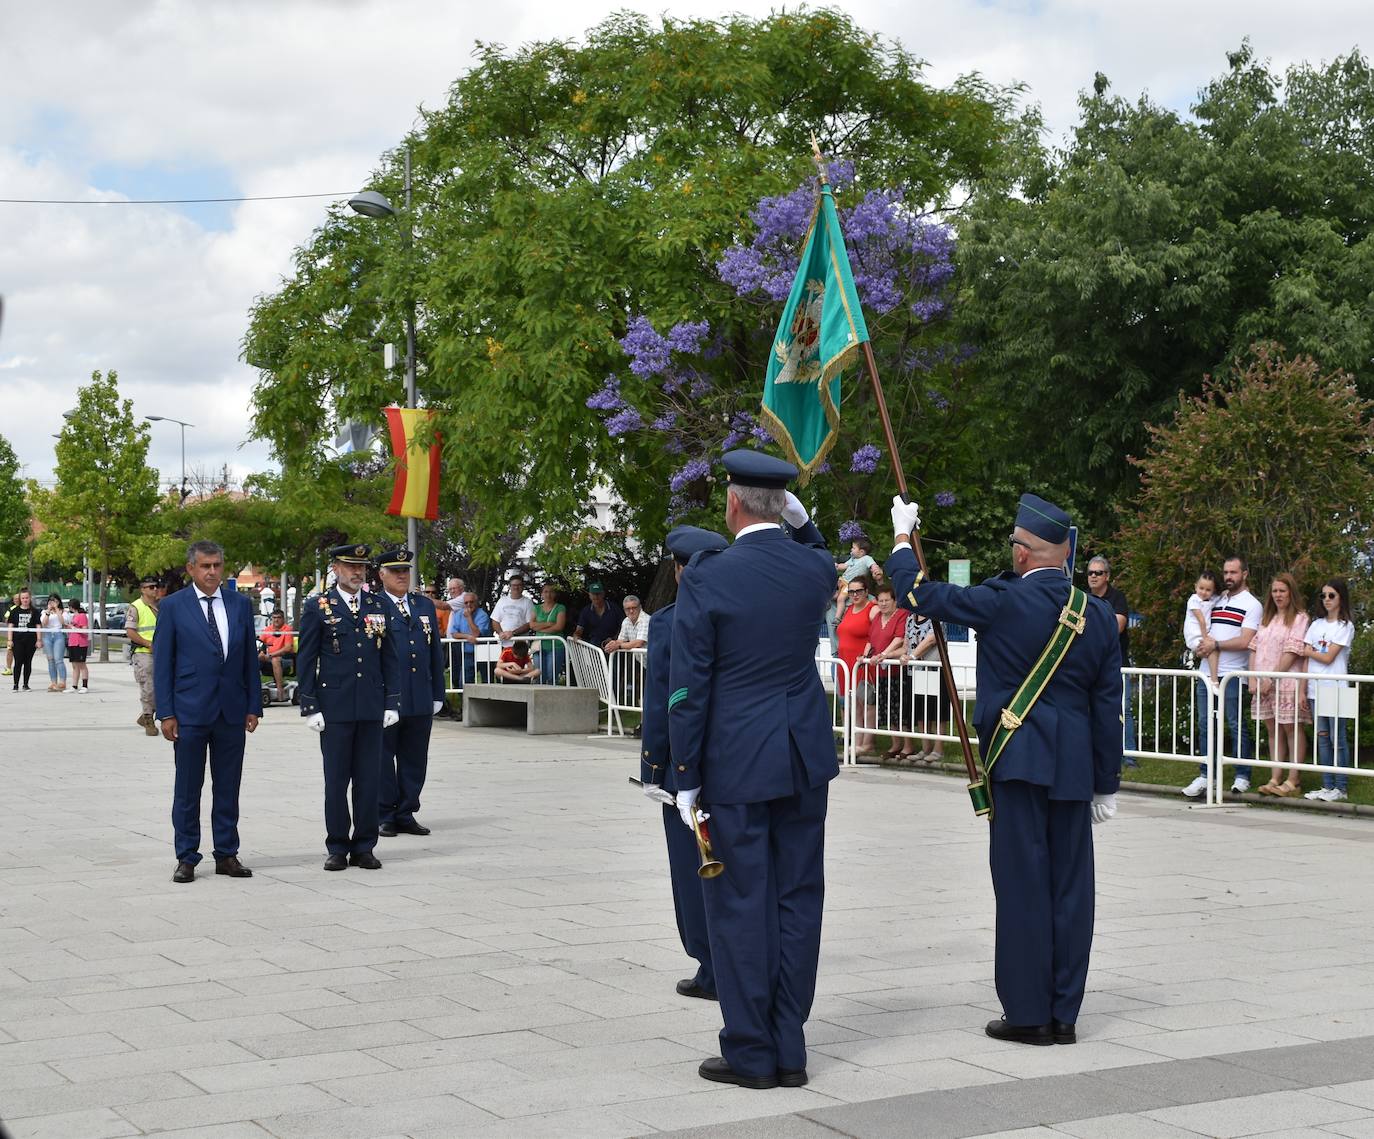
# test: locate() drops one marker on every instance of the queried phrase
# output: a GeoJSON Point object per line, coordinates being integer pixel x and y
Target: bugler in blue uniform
{"type": "Point", "coordinates": [405, 745]}
{"type": "Point", "coordinates": [750, 732]}
{"type": "Point", "coordinates": [1057, 774]}
{"type": "Point", "coordinates": [656, 770]}
{"type": "Point", "coordinates": [349, 672]}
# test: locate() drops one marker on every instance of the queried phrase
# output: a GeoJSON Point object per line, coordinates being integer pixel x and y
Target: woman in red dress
{"type": "Point", "coordinates": [852, 632]}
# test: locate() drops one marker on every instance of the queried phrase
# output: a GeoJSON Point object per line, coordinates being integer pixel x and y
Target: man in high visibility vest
{"type": "Point", "coordinates": [141, 625]}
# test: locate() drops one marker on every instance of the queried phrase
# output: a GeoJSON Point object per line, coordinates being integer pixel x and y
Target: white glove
{"type": "Point", "coordinates": [316, 722]}
{"type": "Point", "coordinates": [793, 512]}
{"type": "Point", "coordinates": [687, 803]}
{"type": "Point", "coordinates": [906, 516]}
{"type": "Point", "coordinates": [438, 707]}
{"type": "Point", "coordinates": [1104, 808]}
{"type": "Point", "coordinates": [389, 718]}
{"type": "Point", "coordinates": [656, 793]}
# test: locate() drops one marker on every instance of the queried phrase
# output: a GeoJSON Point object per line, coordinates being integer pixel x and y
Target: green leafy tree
{"type": "Point", "coordinates": [1274, 461]}
{"type": "Point", "coordinates": [104, 505]}
{"type": "Point", "coordinates": [565, 189]}
{"type": "Point", "coordinates": [1154, 249]}
{"type": "Point", "coordinates": [14, 515]}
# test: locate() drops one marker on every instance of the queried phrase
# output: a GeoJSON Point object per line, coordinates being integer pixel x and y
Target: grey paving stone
{"type": "Point", "coordinates": [448, 1113]}
{"type": "Point", "coordinates": [95, 1123]}
{"type": "Point", "coordinates": [1254, 1115]}
{"type": "Point", "coordinates": [1197, 1081]}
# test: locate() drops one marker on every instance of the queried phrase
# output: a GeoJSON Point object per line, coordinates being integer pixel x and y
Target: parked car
{"type": "Point", "coordinates": [115, 616]}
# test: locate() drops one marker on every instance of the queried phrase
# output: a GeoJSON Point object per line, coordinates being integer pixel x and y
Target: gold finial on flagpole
{"type": "Point", "coordinates": [816, 153]}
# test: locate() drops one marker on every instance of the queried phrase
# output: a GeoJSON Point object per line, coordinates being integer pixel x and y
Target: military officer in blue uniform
{"type": "Point", "coordinates": [751, 740]}
{"type": "Point", "coordinates": [657, 774]}
{"type": "Point", "coordinates": [350, 689]}
{"type": "Point", "coordinates": [405, 745]}
{"type": "Point", "coordinates": [1056, 776]}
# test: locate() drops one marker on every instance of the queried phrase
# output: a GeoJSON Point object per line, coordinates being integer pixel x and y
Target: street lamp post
{"type": "Point", "coordinates": [184, 425]}
{"type": "Point", "coordinates": [371, 204]}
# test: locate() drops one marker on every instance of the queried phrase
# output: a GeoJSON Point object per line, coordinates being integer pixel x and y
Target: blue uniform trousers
{"type": "Point", "coordinates": [405, 759]}
{"type": "Point", "coordinates": [352, 751]}
{"type": "Point", "coordinates": [688, 902]}
{"type": "Point", "coordinates": [1042, 873]}
{"type": "Point", "coordinates": [764, 916]}
{"type": "Point", "coordinates": [224, 743]}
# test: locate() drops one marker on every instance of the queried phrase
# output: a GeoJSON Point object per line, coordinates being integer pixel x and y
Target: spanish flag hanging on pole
{"type": "Point", "coordinates": [416, 494]}
{"type": "Point", "coordinates": [819, 335]}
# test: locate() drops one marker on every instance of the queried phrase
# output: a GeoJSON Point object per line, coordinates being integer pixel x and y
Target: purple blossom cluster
{"type": "Point", "coordinates": [624, 421]}
{"type": "Point", "coordinates": [938, 400]}
{"type": "Point", "coordinates": [688, 473]}
{"type": "Point", "coordinates": [864, 461]}
{"type": "Point", "coordinates": [851, 530]}
{"type": "Point", "coordinates": [608, 397]}
{"type": "Point", "coordinates": [665, 422]}
{"type": "Point", "coordinates": [760, 435]}
{"type": "Point", "coordinates": [647, 350]}
{"type": "Point", "coordinates": [944, 498]}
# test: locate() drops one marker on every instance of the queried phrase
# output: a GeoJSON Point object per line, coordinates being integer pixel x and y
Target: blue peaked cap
{"type": "Point", "coordinates": [754, 468]}
{"type": "Point", "coordinates": [684, 541]}
{"type": "Point", "coordinates": [1043, 519]}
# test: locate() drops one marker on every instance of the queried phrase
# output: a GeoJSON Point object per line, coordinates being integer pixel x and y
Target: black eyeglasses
{"type": "Point", "coordinates": [1015, 541]}
{"type": "Point", "coordinates": [1097, 573]}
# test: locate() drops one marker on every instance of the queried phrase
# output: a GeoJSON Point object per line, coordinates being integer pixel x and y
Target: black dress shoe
{"type": "Point", "coordinates": [791, 1077]}
{"type": "Point", "coordinates": [336, 862]}
{"type": "Point", "coordinates": [411, 827]}
{"type": "Point", "coordinates": [1020, 1033]}
{"type": "Point", "coordinates": [185, 872]}
{"type": "Point", "coordinates": [1063, 1033]}
{"type": "Point", "coordinates": [690, 988]}
{"type": "Point", "coordinates": [233, 867]}
{"type": "Point", "coordinates": [367, 860]}
{"type": "Point", "coordinates": [718, 1071]}
{"type": "Point", "coordinates": [387, 830]}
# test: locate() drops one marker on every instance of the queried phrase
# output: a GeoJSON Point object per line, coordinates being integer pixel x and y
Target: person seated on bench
{"type": "Point", "coordinates": [515, 664]}
{"type": "Point", "coordinates": [277, 650]}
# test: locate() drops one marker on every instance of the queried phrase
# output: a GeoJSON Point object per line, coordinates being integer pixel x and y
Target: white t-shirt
{"type": "Point", "coordinates": [1192, 627]}
{"type": "Point", "coordinates": [511, 613]}
{"type": "Point", "coordinates": [1231, 614]}
{"type": "Point", "coordinates": [1323, 634]}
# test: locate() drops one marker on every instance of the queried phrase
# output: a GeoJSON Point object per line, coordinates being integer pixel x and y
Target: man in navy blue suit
{"type": "Point", "coordinates": [205, 675]}
{"type": "Point", "coordinates": [751, 738]}
{"type": "Point", "coordinates": [405, 745]}
{"type": "Point", "coordinates": [1057, 775]}
{"type": "Point", "coordinates": [657, 774]}
{"type": "Point", "coordinates": [349, 674]}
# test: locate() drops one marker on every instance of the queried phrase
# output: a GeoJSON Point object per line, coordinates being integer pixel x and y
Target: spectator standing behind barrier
{"type": "Point", "coordinates": [750, 731]}
{"type": "Point", "coordinates": [657, 774]}
{"type": "Point", "coordinates": [208, 698]}
{"type": "Point", "coordinates": [887, 642]}
{"type": "Point", "coordinates": [550, 616]}
{"type": "Point", "coordinates": [79, 647]}
{"type": "Point", "coordinates": [141, 626]}
{"type": "Point", "coordinates": [9, 641]}
{"type": "Point", "coordinates": [1327, 652]}
{"type": "Point", "coordinates": [634, 629]}
{"type": "Point", "coordinates": [405, 745]}
{"type": "Point", "coordinates": [1100, 585]}
{"type": "Point", "coordinates": [1277, 647]}
{"type": "Point", "coordinates": [853, 634]}
{"type": "Point", "coordinates": [1058, 770]}
{"type": "Point", "coordinates": [450, 606]}
{"type": "Point", "coordinates": [349, 680]}
{"type": "Point", "coordinates": [1235, 619]}
{"type": "Point", "coordinates": [512, 614]}
{"type": "Point", "coordinates": [22, 617]}
{"type": "Point", "coordinates": [54, 623]}
{"type": "Point", "coordinates": [469, 624]}
{"type": "Point", "coordinates": [928, 709]}
{"type": "Point", "coordinates": [600, 619]}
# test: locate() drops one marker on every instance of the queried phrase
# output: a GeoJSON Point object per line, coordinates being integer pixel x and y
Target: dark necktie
{"type": "Point", "coordinates": [214, 625]}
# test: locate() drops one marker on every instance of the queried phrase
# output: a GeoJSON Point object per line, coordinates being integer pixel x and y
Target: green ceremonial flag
{"type": "Point", "coordinates": [819, 335]}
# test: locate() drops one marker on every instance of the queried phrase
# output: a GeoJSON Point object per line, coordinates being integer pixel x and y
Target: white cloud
{"type": "Point", "coordinates": [295, 96]}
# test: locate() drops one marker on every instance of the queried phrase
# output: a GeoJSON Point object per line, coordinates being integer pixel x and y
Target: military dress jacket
{"type": "Point", "coordinates": [655, 748]}
{"type": "Point", "coordinates": [744, 691]}
{"type": "Point", "coordinates": [348, 666]}
{"type": "Point", "coordinates": [1070, 740]}
{"type": "Point", "coordinates": [419, 642]}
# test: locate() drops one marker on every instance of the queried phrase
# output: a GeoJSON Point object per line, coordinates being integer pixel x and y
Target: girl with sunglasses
{"type": "Point", "coordinates": [1327, 650]}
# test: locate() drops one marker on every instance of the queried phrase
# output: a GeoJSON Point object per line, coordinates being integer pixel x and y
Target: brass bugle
{"type": "Point", "coordinates": [710, 867]}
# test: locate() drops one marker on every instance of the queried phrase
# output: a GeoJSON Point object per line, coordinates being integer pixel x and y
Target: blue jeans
{"type": "Point", "coordinates": [552, 656]}
{"type": "Point", "coordinates": [1328, 726]}
{"type": "Point", "coordinates": [55, 647]}
{"type": "Point", "coordinates": [1237, 725]}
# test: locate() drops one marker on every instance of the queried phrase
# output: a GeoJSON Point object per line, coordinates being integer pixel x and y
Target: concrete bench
{"type": "Point", "coordinates": [541, 709]}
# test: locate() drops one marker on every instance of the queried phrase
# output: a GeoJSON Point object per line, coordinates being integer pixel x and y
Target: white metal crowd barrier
{"type": "Point", "coordinates": [547, 651]}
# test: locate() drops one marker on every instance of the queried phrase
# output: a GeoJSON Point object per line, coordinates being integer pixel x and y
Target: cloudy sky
{"type": "Point", "coordinates": [170, 99]}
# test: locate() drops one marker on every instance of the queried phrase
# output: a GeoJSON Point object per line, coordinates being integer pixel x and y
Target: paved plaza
{"type": "Point", "coordinates": [512, 974]}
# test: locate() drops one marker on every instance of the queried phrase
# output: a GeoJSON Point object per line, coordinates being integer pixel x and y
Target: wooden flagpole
{"type": "Point", "coordinates": [941, 646]}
